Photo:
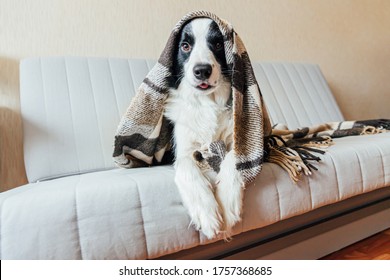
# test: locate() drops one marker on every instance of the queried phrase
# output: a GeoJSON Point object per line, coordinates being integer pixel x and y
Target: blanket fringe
{"type": "Point", "coordinates": [368, 130]}
{"type": "Point", "coordinates": [296, 156]}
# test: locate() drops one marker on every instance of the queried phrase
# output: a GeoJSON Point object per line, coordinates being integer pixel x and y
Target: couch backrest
{"type": "Point", "coordinates": [72, 106]}
{"type": "Point", "coordinates": [296, 94]}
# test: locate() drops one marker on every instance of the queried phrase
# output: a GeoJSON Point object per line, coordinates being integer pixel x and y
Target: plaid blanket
{"type": "Point", "coordinates": [144, 135]}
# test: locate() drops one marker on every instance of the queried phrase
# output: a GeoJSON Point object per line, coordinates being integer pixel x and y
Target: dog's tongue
{"type": "Point", "coordinates": [204, 86]}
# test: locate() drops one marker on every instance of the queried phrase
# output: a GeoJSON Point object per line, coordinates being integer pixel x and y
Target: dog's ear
{"type": "Point", "coordinates": [177, 58]}
{"type": "Point", "coordinates": [176, 75]}
{"type": "Point", "coordinates": [174, 79]}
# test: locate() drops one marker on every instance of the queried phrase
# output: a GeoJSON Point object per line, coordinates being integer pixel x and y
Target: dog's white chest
{"type": "Point", "coordinates": [199, 120]}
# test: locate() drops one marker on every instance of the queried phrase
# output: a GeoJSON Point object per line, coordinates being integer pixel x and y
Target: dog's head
{"type": "Point", "coordinates": [200, 61]}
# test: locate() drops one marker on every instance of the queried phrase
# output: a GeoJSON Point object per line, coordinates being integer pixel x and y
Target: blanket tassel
{"type": "Point", "coordinates": [295, 159]}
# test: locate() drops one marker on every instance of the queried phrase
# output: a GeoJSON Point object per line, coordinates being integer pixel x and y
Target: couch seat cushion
{"type": "Point", "coordinates": [138, 214]}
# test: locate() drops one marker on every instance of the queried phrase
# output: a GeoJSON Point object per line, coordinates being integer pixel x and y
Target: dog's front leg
{"type": "Point", "coordinates": [230, 192]}
{"type": "Point", "coordinates": [198, 197]}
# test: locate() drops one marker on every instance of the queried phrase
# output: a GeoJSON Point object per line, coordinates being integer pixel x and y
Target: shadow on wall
{"type": "Point", "coordinates": [12, 171]}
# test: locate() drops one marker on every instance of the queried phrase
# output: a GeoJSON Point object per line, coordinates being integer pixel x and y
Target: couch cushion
{"type": "Point", "coordinates": [137, 213]}
{"type": "Point", "coordinates": [72, 106]}
{"type": "Point", "coordinates": [296, 94]}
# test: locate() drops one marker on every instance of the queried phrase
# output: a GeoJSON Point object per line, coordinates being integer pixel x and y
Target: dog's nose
{"type": "Point", "coordinates": [202, 71]}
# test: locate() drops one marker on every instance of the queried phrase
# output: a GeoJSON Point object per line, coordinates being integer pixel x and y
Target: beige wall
{"type": "Point", "coordinates": [349, 39]}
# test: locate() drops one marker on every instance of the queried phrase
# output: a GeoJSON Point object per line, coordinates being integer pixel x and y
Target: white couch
{"type": "Point", "coordinates": [78, 205]}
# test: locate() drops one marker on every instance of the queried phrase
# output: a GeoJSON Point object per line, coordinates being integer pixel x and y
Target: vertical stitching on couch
{"type": "Point", "coordinates": [113, 87]}
{"type": "Point", "coordinates": [46, 118]}
{"type": "Point", "coordinates": [310, 193]}
{"type": "Point", "coordinates": [277, 192]}
{"type": "Point", "coordinates": [307, 95]}
{"type": "Point", "coordinates": [274, 96]}
{"type": "Point", "coordinates": [71, 116]}
{"type": "Point", "coordinates": [336, 176]}
{"type": "Point", "coordinates": [383, 163]}
{"type": "Point", "coordinates": [360, 168]}
{"type": "Point", "coordinates": [315, 92]}
{"type": "Point", "coordinates": [77, 218]}
{"type": "Point", "coordinates": [307, 117]}
{"type": "Point", "coordinates": [317, 88]}
{"type": "Point", "coordinates": [143, 220]}
{"type": "Point", "coordinates": [285, 97]}
{"type": "Point", "coordinates": [132, 78]}
{"type": "Point", "coordinates": [108, 163]}
{"type": "Point", "coordinates": [96, 113]}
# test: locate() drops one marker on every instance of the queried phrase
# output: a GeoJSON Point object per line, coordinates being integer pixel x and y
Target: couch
{"type": "Point", "coordinates": [79, 205]}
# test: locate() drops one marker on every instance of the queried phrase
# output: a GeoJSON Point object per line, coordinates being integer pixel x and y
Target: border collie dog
{"type": "Point", "coordinates": [199, 106]}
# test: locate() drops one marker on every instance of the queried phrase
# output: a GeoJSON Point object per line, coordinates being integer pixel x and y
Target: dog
{"type": "Point", "coordinates": [199, 106]}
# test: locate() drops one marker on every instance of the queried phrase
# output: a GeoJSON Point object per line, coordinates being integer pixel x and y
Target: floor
{"type": "Point", "coordinates": [376, 247]}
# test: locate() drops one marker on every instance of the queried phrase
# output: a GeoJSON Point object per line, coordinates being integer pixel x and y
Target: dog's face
{"type": "Point", "coordinates": [200, 61]}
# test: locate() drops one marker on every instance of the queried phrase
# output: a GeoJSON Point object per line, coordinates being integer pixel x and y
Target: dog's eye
{"type": "Point", "coordinates": [185, 47]}
{"type": "Point", "coordinates": [218, 46]}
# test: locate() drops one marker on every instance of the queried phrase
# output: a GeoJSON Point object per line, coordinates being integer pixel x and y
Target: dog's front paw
{"type": "Point", "coordinates": [230, 193]}
{"type": "Point", "coordinates": [208, 222]}
{"type": "Point", "coordinates": [210, 156]}
{"type": "Point", "coordinates": [231, 203]}
{"type": "Point", "coordinates": [198, 197]}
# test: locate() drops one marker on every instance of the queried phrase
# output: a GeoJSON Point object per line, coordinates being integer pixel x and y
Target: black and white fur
{"type": "Point", "coordinates": [199, 106]}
